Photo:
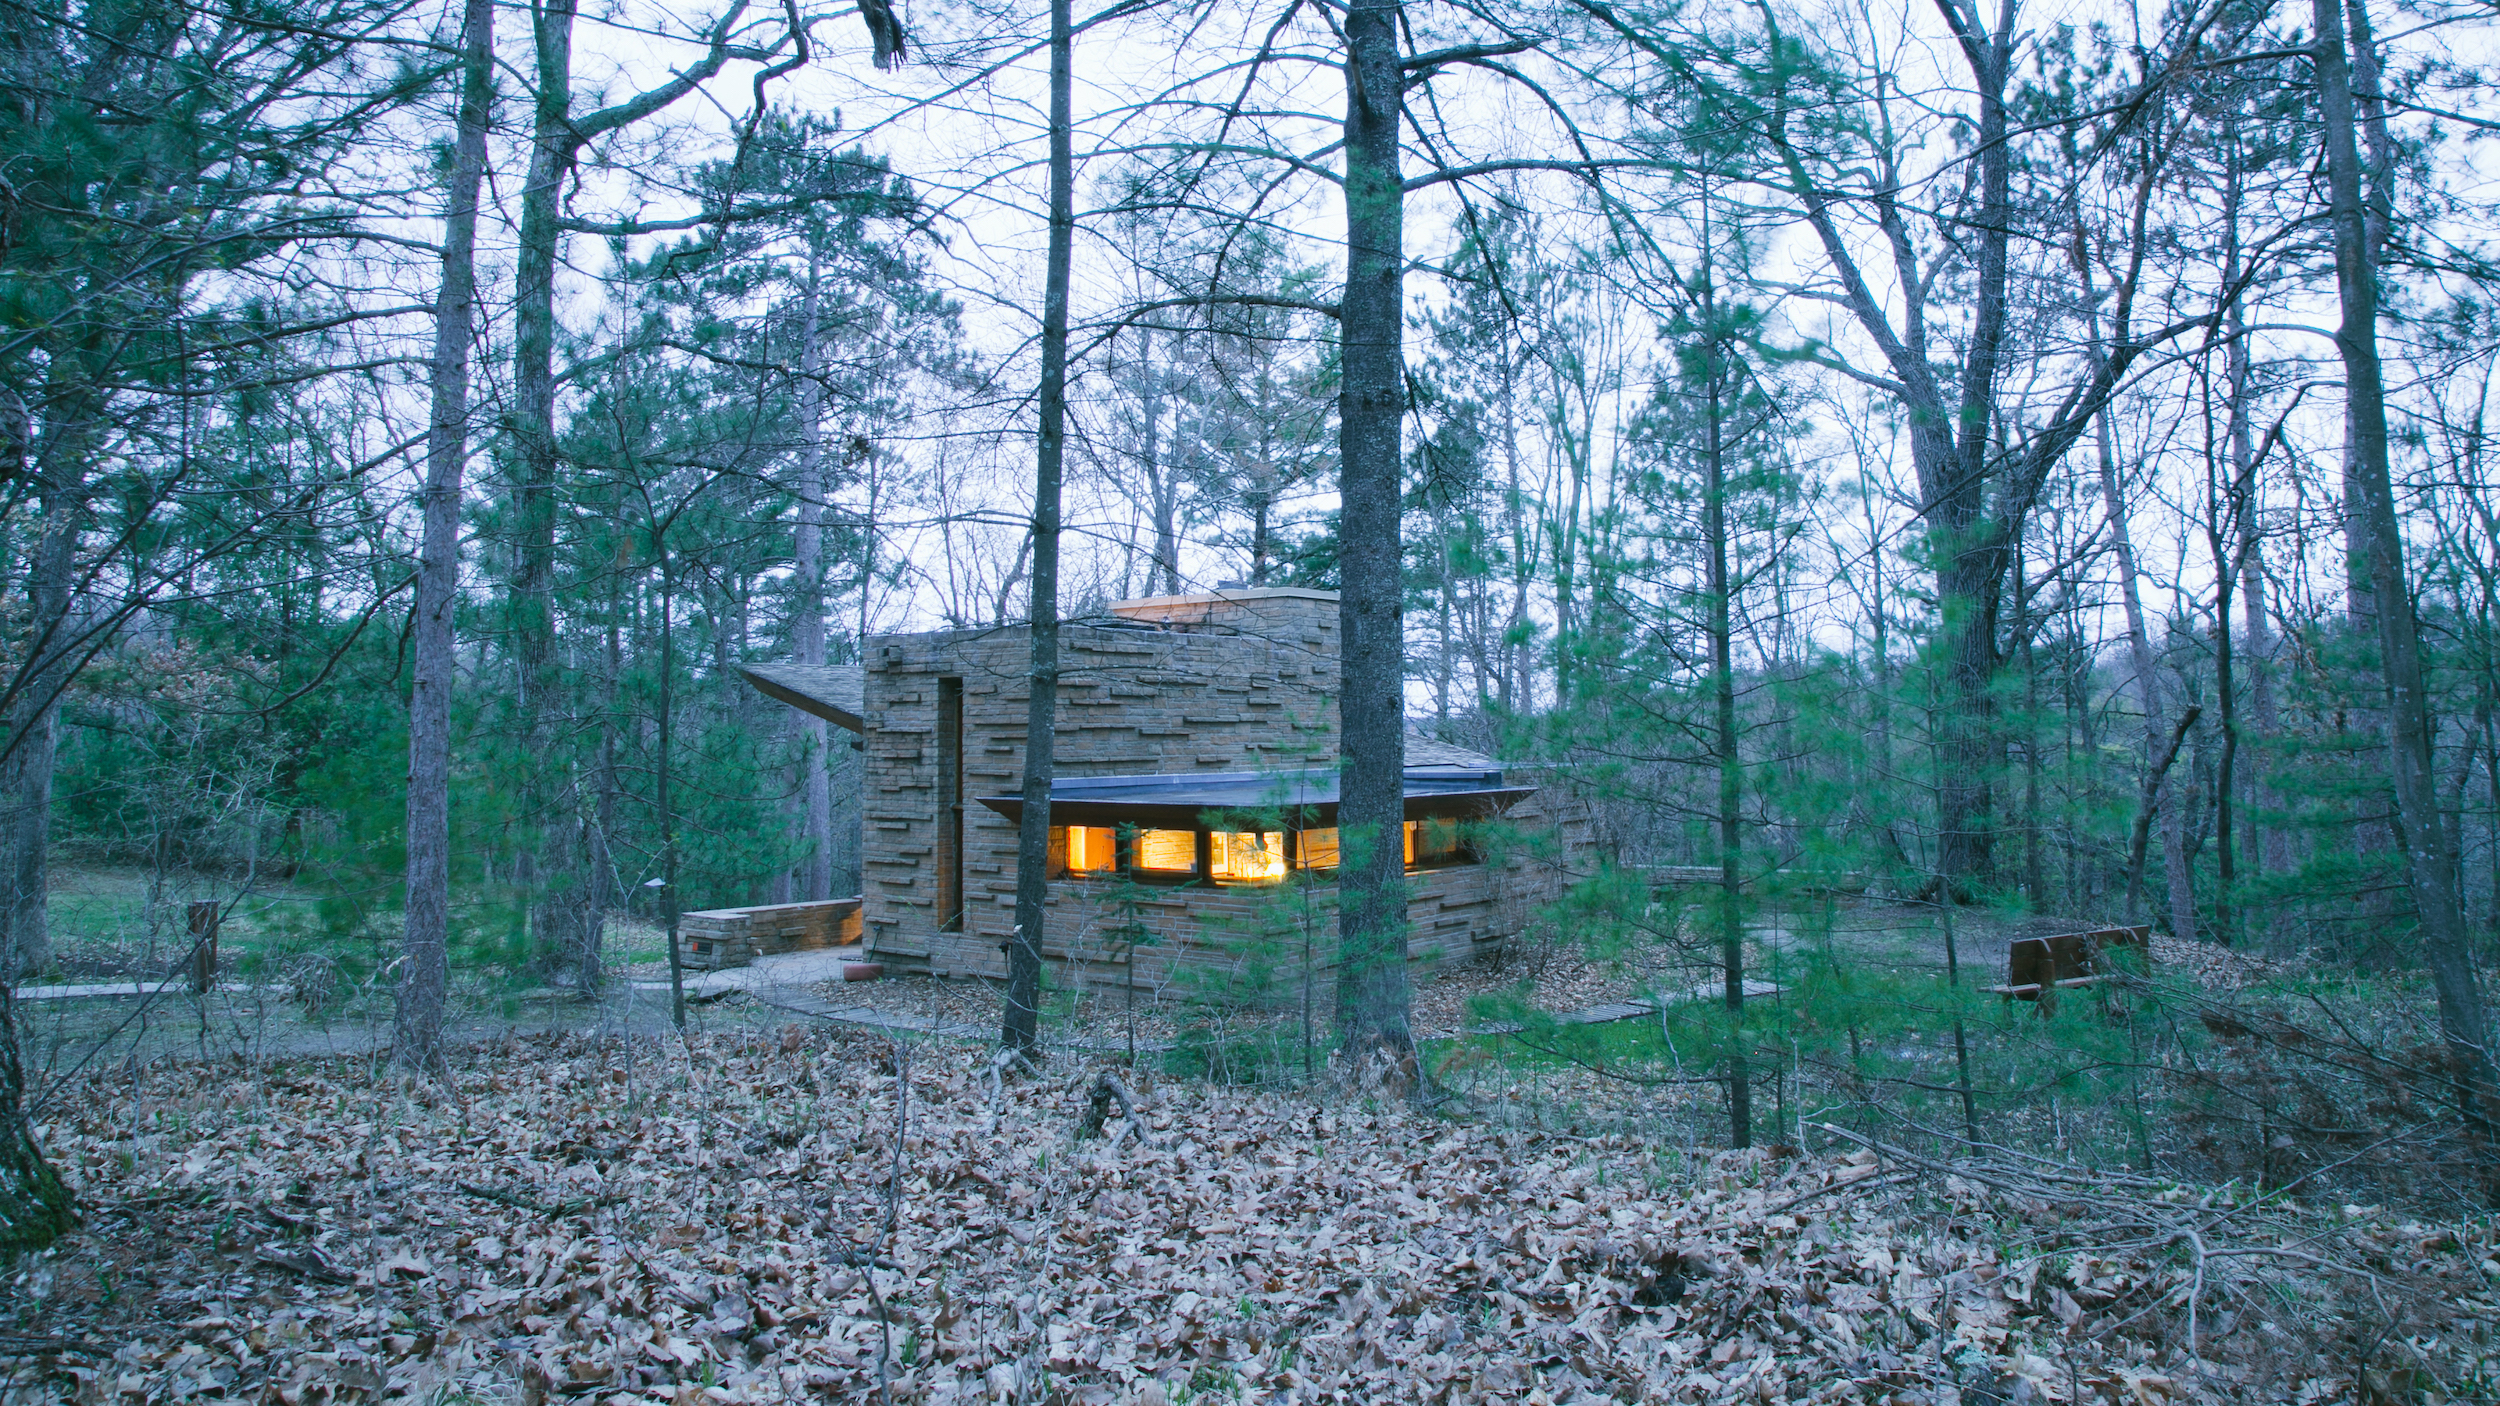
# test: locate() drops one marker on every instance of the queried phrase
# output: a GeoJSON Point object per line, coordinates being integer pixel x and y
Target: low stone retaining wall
{"type": "Point", "coordinates": [732, 937]}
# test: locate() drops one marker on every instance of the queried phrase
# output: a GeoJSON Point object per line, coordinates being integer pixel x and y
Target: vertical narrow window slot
{"type": "Point", "coordinates": [950, 805]}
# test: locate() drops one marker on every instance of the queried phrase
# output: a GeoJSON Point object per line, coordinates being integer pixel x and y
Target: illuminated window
{"type": "Point", "coordinates": [1432, 844]}
{"type": "Point", "coordinates": [1167, 851]}
{"type": "Point", "coordinates": [1083, 849]}
{"type": "Point", "coordinates": [1315, 849]}
{"type": "Point", "coordinates": [1247, 856]}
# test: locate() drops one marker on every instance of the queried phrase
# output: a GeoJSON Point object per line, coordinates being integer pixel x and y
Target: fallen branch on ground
{"type": "Point", "coordinates": [1107, 1090]}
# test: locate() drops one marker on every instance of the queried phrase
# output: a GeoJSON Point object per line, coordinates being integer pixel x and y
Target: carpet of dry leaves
{"type": "Point", "coordinates": [1556, 976]}
{"type": "Point", "coordinates": [735, 1219]}
{"type": "Point", "coordinates": [2216, 968]}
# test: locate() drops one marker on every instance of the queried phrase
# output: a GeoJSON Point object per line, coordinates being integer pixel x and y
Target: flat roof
{"type": "Point", "coordinates": [832, 692]}
{"type": "Point", "coordinates": [1231, 595]}
{"type": "Point", "coordinates": [1302, 799]}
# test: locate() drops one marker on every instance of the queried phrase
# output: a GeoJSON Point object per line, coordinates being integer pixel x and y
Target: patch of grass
{"type": "Point", "coordinates": [1229, 1056]}
{"type": "Point", "coordinates": [2152, 1073]}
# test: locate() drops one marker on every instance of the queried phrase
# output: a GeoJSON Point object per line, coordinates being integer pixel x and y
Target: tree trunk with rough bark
{"type": "Point", "coordinates": [26, 769]}
{"type": "Point", "coordinates": [1731, 904]}
{"type": "Point", "coordinates": [530, 596]}
{"type": "Point", "coordinates": [2266, 848]}
{"type": "Point", "coordinates": [2158, 745]}
{"type": "Point", "coordinates": [432, 645]}
{"type": "Point", "coordinates": [1022, 1012]}
{"type": "Point", "coordinates": [568, 913]}
{"type": "Point", "coordinates": [2464, 1017]}
{"type": "Point", "coordinates": [35, 1208]}
{"type": "Point", "coordinates": [1157, 458]}
{"type": "Point", "coordinates": [807, 616]}
{"type": "Point", "coordinates": [1967, 544]}
{"type": "Point", "coordinates": [1373, 998]}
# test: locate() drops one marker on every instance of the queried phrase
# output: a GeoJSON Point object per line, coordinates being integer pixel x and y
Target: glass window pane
{"type": "Point", "coordinates": [1248, 856]}
{"type": "Point", "coordinates": [1433, 843]}
{"type": "Point", "coordinates": [1167, 851]}
{"type": "Point", "coordinates": [1092, 849]}
{"type": "Point", "coordinates": [1316, 849]}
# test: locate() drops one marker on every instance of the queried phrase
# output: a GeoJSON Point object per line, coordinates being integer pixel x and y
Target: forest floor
{"type": "Point", "coordinates": [597, 1209]}
{"type": "Point", "coordinates": [322, 1006]}
{"type": "Point", "coordinates": [291, 992]}
{"type": "Point", "coordinates": [815, 1214]}
{"type": "Point", "coordinates": [1452, 1000]}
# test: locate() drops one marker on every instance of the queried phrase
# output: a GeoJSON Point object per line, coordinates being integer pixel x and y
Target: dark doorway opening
{"type": "Point", "coordinates": [950, 804]}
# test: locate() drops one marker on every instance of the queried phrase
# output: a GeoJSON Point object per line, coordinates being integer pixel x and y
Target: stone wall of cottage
{"type": "Point", "coordinates": [1174, 687]}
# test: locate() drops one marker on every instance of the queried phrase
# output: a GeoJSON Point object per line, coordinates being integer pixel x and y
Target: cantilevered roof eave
{"type": "Point", "coordinates": [1300, 799]}
{"type": "Point", "coordinates": [1320, 815]}
{"type": "Point", "coordinates": [832, 692]}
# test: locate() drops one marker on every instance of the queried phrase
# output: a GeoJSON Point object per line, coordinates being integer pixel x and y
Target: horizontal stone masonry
{"type": "Point", "coordinates": [1179, 685]}
{"type": "Point", "coordinates": [713, 938]}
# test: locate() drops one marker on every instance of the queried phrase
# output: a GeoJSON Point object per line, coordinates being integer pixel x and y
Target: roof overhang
{"type": "Point", "coordinates": [830, 692]}
{"type": "Point", "coordinates": [1299, 800]}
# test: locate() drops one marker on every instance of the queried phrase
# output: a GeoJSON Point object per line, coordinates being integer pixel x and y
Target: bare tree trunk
{"type": "Point", "coordinates": [2489, 726]}
{"type": "Point", "coordinates": [1445, 663]}
{"type": "Point", "coordinates": [567, 916]}
{"type": "Point", "coordinates": [1731, 903]}
{"type": "Point", "coordinates": [1967, 576]}
{"type": "Point", "coordinates": [1518, 689]}
{"type": "Point", "coordinates": [1567, 646]}
{"type": "Point", "coordinates": [807, 618]}
{"type": "Point", "coordinates": [2373, 838]}
{"type": "Point", "coordinates": [2267, 848]}
{"type": "Point", "coordinates": [2377, 209]}
{"type": "Point", "coordinates": [26, 767]}
{"type": "Point", "coordinates": [1022, 1013]}
{"type": "Point", "coordinates": [1372, 991]}
{"type": "Point", "coordinates": [1880, 706]}
{"type": "Point", "coordinates": [2464, 1018]}
{"type": "Point", "coordinates": [588, 968]}
{"type": "Point", "coordinates": [433, 643]}
{"type": "Point", "coordinates": [2228, 514]}
{"type": "Point", "coordinates": [1260, 546]}
{"type": "Point", "coordinates": [1162, 475]}
{"type": "Point", "coordinates": [674, 902]}
{"type": "Point", "coordinates": [2178, 878]}
{"type": "Point", "coordinates": [2034, 882]}
{"type": "Point", "coordinates": [35, 1208]}
{"type": "Point", "coordinates": [531, 589]}
{"type": "Point", "coordinates": [2148, 696]}
{"type": "Point", "coordinates": [2226, 781]}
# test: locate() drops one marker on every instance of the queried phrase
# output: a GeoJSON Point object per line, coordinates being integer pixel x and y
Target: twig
{"type": "Point", "coordinates": [1855, 1184]}
{"type": "Point", "coordinates": [2196, 1287]}
{"type": "Point", "coordinates": [2042, 1167]}
{"type": "Point", "coordinates": [32, 1345]}
{"type": "Point", "coordinates": [309, 1262]}
{"type": "Point", "coordinates": [998, 1074]}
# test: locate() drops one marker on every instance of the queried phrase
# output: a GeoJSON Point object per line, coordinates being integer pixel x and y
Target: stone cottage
{"type": "Point", "coordinates": [1194, 801]}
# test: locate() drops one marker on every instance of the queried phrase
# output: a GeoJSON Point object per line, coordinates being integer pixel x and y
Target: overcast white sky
{"type": "Point", "coordinates": [967, 131]}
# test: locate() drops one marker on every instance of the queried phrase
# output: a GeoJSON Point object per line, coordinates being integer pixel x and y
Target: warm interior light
{"type": "Point", "coordinates": [1247, 856]}
{"type": "Point", "coordinates": [1316, 849]}
{"type": "Point", "coordinates": [1092, 849]}
{"type": "Point", "coordinates": [1167, 851]}
{"type": "Point", "coordinates": [1432, 843]}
